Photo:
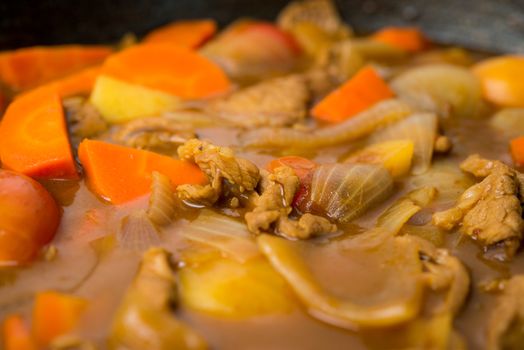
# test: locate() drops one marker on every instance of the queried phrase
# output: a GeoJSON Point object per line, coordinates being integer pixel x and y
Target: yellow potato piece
{"type": "Point", "coordinates": [227, 288]}
{"type": "Point", "coordinates": [119, 101]}
{"type": "Point", "coordinates": [395, 156]}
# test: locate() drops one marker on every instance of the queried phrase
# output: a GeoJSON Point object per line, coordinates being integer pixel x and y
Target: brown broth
{"type": "Point", "coordinates": [104, 280]}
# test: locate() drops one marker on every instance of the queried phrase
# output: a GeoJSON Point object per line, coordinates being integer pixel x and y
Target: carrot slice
{"type": "Point", "coordinates": [55, 314]}
{"type": "Point", "coordinates": [406, 38]}
{"type": "Point", "coordinates": [502, 80]}
{"type": "Point", "coordinates": [34, 139]}
{"type": "Point", "coordinates": [80, 83]}
{"type": "Point", "coordinates": [190, 34]}
{"type": "Point", "coordinates": [16, 334]}
{"type": "Point", "coordinates": [119, 174]}
{"type": "Point", "coordinates": [175, 70]}
{"type": "Point", "coordinates": [517, 150]}
{"type": "Point", "coordinates": [27, 68]}
{"type": "Point", "coordinates": [357, 94]}
{"type": "Point", "coordinates": [301, 166]}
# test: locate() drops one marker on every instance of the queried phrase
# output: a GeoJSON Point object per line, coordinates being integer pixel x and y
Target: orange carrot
{"type": "Point", "coordinates": [175, 70]}
{"type": "Point", "coordinates": [119, 174]}
{"type": "Point", "coordinates": [55, 314]}
{"type": "Point", "coordinates": [80, 83]}
{"type": "Point", "coordinates": [357, 94]}
{"type": "Point", "coordinates": [27, 68]}
{"type": "Point", "coordinates": [502, 80]}
{"type": "Point", "coordinates": [16, 334]}
{"type": "Point", "coordinates": [407, 38]}
{"type": "Point", "coordinates": [34, 139]}
{"type": "Point", "coordinates": [517, 150]}
{"type": "Point", "coordinates": [301, 166]}
{"type": "Point", "coordinates": [190, 34]}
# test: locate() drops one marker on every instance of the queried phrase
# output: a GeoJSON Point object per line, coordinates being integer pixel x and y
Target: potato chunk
{"type": "Point", "coordinates": [224, 287]}
{"type": "Point", "coordinates": [119, 101]}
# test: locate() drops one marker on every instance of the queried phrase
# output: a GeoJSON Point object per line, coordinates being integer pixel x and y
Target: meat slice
{"type": "Point", "coordinates": [489, 211]}
{"type": "Point", "coordinates": [145, 318]}
{"type": "Point", "coordinates": [307, 226]}
{"type": "Point", "coordinates": [443, 272]}
{"type": "Point", "coordinates": [321, 13]}
{"type": "Point", "coordinates": [276, 102]}
{"type": "Point", "coordinates": [334, 64]}
{"type": "Point", "coordinates": [223, 169]}
{"type": "Point", "coordinates": [83, 119]}
{"type": "Point", "coordinates": [506, 324]}
{"type": "Point", "coordinates": [273, 206]}
{"type": "Point", "coordinates": [237, 180]}
{"type": "Point", "coordinates": [156, 134]}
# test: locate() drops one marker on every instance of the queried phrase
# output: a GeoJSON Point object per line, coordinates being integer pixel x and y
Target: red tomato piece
{"type": "Point", "coordinates": [29, 218]}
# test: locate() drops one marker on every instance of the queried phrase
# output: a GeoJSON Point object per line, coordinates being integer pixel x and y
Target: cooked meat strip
{"type": "Point", "coordinates": [156, 134]}
{"type": "Point", "coordinates": [83, 118]}
{"type": "Point", "coordinates": [223, 169]}
{"type": "Point", "coordinates": [275, 102]}
{"type": "Point", "coordinates": [308, 225]}
{"type": "Point", "coordinates": [505, 328]}
{"type": "Point", "coordinates": [145, 319]}
{"type": "Point", "coordinates": [204, 195]}
{"type": "Point", "coordinates": [444, 272]}
{"type": "Point", "coordinates": [273, 206]}
{"type": "Point", "coordinates": [334, 64]}
{"type": "Point", "coordinates": [489, 211]}
{"type": "Point", "coordinates": [236, 179]}
{"type": "Point", "coordinates": [277, 192]}
{"type": "Point", "coordinates": [321, 13]}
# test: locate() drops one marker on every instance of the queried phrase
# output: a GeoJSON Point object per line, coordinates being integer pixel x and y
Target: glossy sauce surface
{"type": "Point", "coordinates": [83, 268]}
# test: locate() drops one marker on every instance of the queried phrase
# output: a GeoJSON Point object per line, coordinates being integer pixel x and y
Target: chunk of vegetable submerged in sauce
{"type": "Point", "coordinates": [29, 217]}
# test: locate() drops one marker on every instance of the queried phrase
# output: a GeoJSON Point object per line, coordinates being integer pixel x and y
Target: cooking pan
{"type": "Point", "coordinates": [483, 25]}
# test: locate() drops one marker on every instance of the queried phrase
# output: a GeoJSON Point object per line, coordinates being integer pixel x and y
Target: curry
{"type": "Point", "coordinates": [269, 185]}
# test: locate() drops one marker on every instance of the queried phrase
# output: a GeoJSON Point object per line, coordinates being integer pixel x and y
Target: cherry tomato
{"type": "Point", "coordinates": [29, 218]}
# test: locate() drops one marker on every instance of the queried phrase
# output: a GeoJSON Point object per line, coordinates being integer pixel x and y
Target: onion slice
{"type": "Point", "coordinates": [72, 266]}
{"type": "Point", "coordinates": [361, 125]}
{"type": "Point", "coordinates": [229, 236]}
{"type": "Point", "coordinates": [137, 232]}
{"type": "Point", "coordinates": [162, 200]}
{"type": "Point", "coordinates": [446, 177]}
{"type": "Point", "coordinates": [421, 128]}
{"type": "Point", "coordinates": [391, 221]}
{"type": "Point", "coordinates": [344, 191]}
{"type": "Point", "coordinates": [377, 51]}
{"type": "Point", "coordinates": [396, 300]}
{"type": "Point", "coordinates": [402, 210]}
{"type": "Point", "coordinates": [445, 89]}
